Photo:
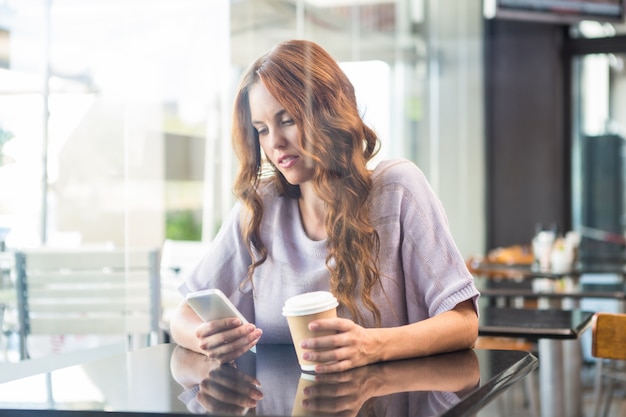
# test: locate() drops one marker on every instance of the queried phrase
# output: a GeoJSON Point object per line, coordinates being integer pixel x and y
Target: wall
{"type": "Point", "coordinates": [528, 155]}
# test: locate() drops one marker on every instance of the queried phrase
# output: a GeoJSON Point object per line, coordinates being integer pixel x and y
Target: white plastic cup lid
{"type": "Point", "coordinates": [309, 303]}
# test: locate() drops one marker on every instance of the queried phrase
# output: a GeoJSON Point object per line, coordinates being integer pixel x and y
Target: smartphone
{"type": "Point", "coordinates": [212, 304]}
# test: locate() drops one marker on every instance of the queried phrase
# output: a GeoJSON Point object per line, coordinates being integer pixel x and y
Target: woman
{"type": "Point", "coordinates": [311, 216]}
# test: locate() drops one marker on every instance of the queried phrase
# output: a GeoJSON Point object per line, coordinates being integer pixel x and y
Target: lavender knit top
{"type": "Point", "coordinates": [422, 272]}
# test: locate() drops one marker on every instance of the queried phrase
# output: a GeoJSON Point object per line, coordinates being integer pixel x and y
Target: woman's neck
{"type": "Point", "coordinates": [312, 213]}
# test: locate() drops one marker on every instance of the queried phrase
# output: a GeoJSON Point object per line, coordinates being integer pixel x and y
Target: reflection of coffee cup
{"type": "Point", "coordinates": [306, 380]}
{"type": "Point", "coordinates": [302, 309]}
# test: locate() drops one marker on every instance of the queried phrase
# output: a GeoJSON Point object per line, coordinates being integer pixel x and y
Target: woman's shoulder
{"type": "Point", "coordinates": [397, 171]}
{"type": "Point", "coordinates": [401, 180]}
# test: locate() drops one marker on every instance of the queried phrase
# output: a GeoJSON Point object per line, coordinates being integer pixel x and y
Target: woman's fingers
{"type": "Point", "coordinates": [226, 340]}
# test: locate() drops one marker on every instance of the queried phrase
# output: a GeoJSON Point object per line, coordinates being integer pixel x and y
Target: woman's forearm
{"type": "Point", "coordinates": [183, 325]}
{"type": "Point", "coordinates": [450, 331]}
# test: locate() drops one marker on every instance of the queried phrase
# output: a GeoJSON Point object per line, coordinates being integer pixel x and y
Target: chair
{"type": "Point", "coordinates": [7, 295]}
{"type": "Point", "coordinates": [88, 291]}
{"type": "Point", "coordinates": [608, 345]}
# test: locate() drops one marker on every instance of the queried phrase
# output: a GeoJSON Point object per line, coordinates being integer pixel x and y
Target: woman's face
{"type": "Point", "coordinates": [278, 135]}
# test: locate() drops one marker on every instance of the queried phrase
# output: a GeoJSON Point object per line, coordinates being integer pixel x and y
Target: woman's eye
{"type": "Point", "coordinates": [261, 131]}
{"type": "Point", "coordinates": [287, 122]}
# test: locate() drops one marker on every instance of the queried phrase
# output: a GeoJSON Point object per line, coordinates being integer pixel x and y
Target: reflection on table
{"type": "Point", "coordinates": [557, 333]}
{"type": "Point", "coordinates": [167, 379]}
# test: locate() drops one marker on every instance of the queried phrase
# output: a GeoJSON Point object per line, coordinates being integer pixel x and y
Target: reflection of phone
{"type": "Point", "coordinates": [213, 305]}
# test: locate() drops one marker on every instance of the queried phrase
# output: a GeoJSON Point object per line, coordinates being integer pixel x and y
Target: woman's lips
{"type": "Point", "coordinates": [287, 161]}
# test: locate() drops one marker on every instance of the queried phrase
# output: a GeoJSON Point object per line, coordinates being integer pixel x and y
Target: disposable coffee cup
{"type": "Point", "coordinates": [300, 310]}
{"type": "Point", "coordinates": [306, 380]}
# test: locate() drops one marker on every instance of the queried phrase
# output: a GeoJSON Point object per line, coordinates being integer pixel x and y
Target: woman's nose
{"type": "Point", "coordinates": [277, 140]}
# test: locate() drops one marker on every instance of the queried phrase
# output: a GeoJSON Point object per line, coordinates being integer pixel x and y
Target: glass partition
{"type": "Point", "coordinates": [115, 114]}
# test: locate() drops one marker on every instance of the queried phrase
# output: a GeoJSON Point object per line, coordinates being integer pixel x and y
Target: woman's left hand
{"type": "Point", "coordinates": [354, 346]}
{"type": "Point", "coordinates": [351, 347]}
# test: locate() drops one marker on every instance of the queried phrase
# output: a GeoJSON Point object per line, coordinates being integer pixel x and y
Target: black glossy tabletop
{"type": "Point", "coordinates": [533, 323]}
{"type": "Point", "coordinates": [168, 380]}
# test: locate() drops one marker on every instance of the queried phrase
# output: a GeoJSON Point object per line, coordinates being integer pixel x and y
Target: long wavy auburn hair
{"type": "Point", "coordinates": [317, 94]}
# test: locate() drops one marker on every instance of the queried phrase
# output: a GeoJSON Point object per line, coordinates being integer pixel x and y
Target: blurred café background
{"type": "Point", "coordinates": [115, 117]}
{"type": "Point", "coordinates": [118, 112]}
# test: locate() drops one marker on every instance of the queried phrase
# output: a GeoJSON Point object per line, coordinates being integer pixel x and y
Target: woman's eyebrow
{"type": "Point", "coordinates": [280, 113]}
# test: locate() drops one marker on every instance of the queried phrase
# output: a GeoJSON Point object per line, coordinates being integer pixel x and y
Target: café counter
{"type": "Point", "coordinates": [167, 380]}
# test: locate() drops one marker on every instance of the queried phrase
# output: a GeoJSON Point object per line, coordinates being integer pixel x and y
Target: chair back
{"type": "Point", "coordinates": [88, 291]}
{"type": "Point", "coordinates": [609, 336]}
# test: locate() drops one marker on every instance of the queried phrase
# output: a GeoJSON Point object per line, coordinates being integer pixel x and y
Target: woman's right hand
{"type": "Point", "coordinates": [223, 340]}
{"type": "Point", "coordinates": [226, 339]}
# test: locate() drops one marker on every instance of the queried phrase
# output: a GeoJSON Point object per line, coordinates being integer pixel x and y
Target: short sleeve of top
{"type": "Point", "coordinates": [422, 272]}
